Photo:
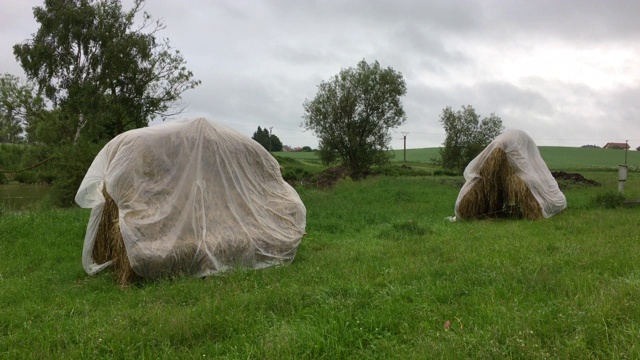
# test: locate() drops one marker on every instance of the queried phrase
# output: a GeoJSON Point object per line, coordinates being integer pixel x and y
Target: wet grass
{"type": "Point", "coordinates": [379, 275]}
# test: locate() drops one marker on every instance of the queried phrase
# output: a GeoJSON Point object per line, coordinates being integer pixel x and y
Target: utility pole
{"type": "Point", "coordinates": [625, 151]}
{"type": "Point", "coordinates": [623, 170]}
{"type": "Point", "coordinates": [270, 138]}
{"type": "Point", "coordinates": [404, 134]}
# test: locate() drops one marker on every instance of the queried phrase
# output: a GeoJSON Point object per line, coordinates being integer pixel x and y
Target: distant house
{"type": "Point", "coordinates": [613, 145]}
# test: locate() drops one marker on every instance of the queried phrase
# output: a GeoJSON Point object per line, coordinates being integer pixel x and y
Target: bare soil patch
{"type": "Point", "coordinates": [573, 178]}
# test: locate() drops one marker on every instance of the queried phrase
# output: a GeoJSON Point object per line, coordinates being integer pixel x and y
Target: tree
{"type": "Point", "coordinates": [19, 106]}
{"type": "Point", "coordinates": [262, 137]}
{"type": "Point", "coordinates": [275, 143]}
{"type": "Point", "coordinates": [352, 114]}
{"type": "Point", "coordinates": [105, 75]}
{"type": "Point", "coordinates": [466, 136]}
{"type": "Point", "coordinates": [267, 140]}
{"type": "Point", "coordinates": [102, 76]}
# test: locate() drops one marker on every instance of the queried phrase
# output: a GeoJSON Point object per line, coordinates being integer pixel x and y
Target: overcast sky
{"type": "Point", "coordinates": [566, 72]}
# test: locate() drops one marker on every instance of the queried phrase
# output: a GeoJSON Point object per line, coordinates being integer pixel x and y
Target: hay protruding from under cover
{"type": "Point", "coordinates": [499, 192]}
{"type": "Point", "coordinates": [109, 244]}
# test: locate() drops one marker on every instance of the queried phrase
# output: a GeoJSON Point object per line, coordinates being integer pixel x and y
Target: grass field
{"type": "Point", "coordinates": [378, 275]}
{"type": "Point", "coordinates": [556, 157]}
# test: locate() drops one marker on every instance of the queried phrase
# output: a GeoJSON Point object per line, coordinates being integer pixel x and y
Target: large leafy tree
{"type": "Point", "coordinates": [466, 136]}
{"type": "Point", "coordinates": [268, 140]}
{"type": "Point", "coordinates": [105, 74]}
{"type": "Point", "coordinates": [20, 105]}
{"type": "Point", "coordinates": [352, 114]}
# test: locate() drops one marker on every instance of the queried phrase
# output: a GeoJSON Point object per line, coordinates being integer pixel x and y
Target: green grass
{"type": "Point", "coordinates": [377, 276]}
{"type": "Point", "coordinates": [300, 155]}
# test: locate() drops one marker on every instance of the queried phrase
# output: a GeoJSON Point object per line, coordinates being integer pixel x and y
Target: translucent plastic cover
{"type": "Point", "coordinates": [196, 195]}
{"type": "Point", "coordinates": [524, 157]}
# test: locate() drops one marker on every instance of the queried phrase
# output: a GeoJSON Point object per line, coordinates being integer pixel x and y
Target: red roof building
{"type": "Point", "coordinates": [613, 145]}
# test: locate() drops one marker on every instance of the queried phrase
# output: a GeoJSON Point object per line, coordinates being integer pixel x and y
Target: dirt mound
{"type": "Point", "coordinates": [574, 178]}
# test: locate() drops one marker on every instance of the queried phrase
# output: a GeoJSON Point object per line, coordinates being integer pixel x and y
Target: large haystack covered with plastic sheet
{"type": "Point", "coordinates": [187, 197]}
{"type": "Point", "coordinates": [509, 179]}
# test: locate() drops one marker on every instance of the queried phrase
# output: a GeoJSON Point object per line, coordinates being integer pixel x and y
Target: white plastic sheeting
{"type": "Point", "coordinates": [524, 157]}
{"type": "Point", "coordinates": [194, 192]}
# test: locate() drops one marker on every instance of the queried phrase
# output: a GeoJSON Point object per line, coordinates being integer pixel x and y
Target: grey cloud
{"type": "Point", "coordinates": [572, 21]}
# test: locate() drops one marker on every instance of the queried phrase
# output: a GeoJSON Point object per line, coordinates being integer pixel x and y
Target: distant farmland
{"type": "Point", "coordinates": [556, 157]}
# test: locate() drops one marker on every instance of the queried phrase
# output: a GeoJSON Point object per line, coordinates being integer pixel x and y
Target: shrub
{"type": "Point", "coordinates": [46, 177]}
{"type": "Point", "coordinates": [609, 200]}
{"type": "Point", "coordinates": [444, 172]}
{"type": "Point", "coordinates": [402, 170]}
{"type": "Point", "coordinates": [71, 164]}
{"type": "Point", "coordinates": [26, 177]}
{"type": "Point", "coordinates": [295, 174]}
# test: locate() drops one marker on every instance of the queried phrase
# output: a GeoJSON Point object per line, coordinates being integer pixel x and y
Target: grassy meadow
{"type": "Point", "coordinates": [381, 274]}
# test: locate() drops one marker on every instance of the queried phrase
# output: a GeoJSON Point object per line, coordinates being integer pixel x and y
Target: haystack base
{"type": "Point", "coordinates": [109, 244]}
{"type": "Point", "coordinates": [499, 193]}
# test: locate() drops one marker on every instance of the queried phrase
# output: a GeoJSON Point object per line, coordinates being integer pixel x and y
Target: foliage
{"type": "Point", "coordinates": [400, 170]}
{"type": "Point", "coordinates": [268, 140]}
{"type": "Point", "coordinates": [352, 114]}
{"type": "Point", "coordinates": [466, 136]}
{"type": "Point", "coordinates": [102, 74]}
{"type": "Point", "coordinates": [19, 105]}
{"type": "Point", "coordinates": [28, 177]}
{"type": "Point", "coordinates": [306, 148]}
{"type": "Point", "coordinates": [16, 159]}
{"type": "Point", "coordinates": [11, 156]}
{"type": "Point", "coordinates": [297, 170]}
{"type": "Point", "coordinates": [71, 163]}
{"type": "Point", "coordinates": [90, 61]}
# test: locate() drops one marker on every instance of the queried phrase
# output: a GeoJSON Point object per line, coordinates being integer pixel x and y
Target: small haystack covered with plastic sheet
{"type": "Point", "coordinates": [509, 179]}
{"type": "Point", "coordinates": [187, 197]}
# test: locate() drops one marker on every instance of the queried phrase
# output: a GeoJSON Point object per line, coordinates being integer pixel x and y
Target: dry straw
{"type": "Point", "coordinates": [499, 192]}
{"type": "Point", "coordinates": [109, 244]}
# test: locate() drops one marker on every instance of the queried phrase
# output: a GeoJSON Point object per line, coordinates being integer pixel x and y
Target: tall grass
{"type": "Point", "coordinates": [379, 274]}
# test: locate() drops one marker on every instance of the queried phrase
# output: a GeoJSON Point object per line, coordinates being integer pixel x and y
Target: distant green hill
{"type": "Point", "coordinates": [556, 157]}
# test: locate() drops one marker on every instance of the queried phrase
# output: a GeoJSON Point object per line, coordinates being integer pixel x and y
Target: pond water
{"type": "Point", "coordinates": [19, 197]}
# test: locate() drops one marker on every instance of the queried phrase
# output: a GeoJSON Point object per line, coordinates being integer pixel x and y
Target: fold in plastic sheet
{"type": "Point", "coordinates": [193, 196]}
{"type": "Point", "coordinates": [525, 159]}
